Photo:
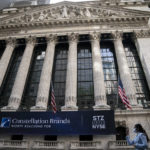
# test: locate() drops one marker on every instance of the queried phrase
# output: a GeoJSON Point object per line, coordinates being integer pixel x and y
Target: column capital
{"type": "Point", "coordinates": [11, 41]}
{"type": "Point", "coordinates": [117, 35]}
{"type": "Point", "coordinates": [30, 39]}
{"type": "Point", "coordinates": [51, 38]}
{"type": "Point", "coordinates": [95, 36]}
{"type": "Point", "coordinates": [141, 33]}
{"type": "Point", "coordinates": [73, 37]}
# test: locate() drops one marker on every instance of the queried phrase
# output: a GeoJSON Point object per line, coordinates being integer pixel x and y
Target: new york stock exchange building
{"type": "Point", "coordinates": [76, 51]}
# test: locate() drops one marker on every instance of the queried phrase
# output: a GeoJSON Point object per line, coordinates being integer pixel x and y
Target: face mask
{"type": "Point", "coordinates": [134, 130]}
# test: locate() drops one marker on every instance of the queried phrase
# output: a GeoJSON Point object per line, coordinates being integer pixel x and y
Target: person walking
{"type": "Point", "coordinates": [140, 142]}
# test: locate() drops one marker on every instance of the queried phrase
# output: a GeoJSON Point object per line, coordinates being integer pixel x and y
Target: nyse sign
{"type": "Point", "coordinates": [98, 122]}
{"type": "Point", "coordinates": [61, 123]}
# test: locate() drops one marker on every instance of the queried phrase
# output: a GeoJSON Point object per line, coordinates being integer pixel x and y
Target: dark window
{"type": "Point", "coordinates": [59, 73]}
{"type": "Point", "coordinates": [11, 75]}
{"type": "Point", "coordinates": [85, 91]}
{"type": "Point", "coordinates": [110, 70]}
{"type": "Point", "coordinates": [86, 137]}
{"type": "Point", "coordinates": [2, 47]}
{"type": "Point", "coordinates": [17, 137]}
{"type": "Point", "coordinates": [137, 73]}
{"type": "Point", "coordinates": [121, 133]}
{"type": "Point", "coordinates": [50, 138]}
{"type": "Point", "coordinates": [31, 88]}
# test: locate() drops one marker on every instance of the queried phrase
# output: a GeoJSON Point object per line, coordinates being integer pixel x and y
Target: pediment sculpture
{"type": "Point", "coordinates": [63, 12]}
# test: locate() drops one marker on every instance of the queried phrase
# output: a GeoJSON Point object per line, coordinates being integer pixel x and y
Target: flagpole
{"type": "Point", "coordinates": [117, 89]}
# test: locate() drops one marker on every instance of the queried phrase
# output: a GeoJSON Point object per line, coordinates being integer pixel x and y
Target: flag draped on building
{"type": "Point", "coordinates": [53, 103]}
{"type": "Point", "coordinates": [122, 94]}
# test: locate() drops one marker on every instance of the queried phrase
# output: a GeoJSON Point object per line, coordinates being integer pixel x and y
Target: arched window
{"type": "Point", "coordinates": [85, 92]}
{"type": "Point", "coordinates": [10, 76]}
{"type": "Point", "coordinates": [59, 73]}
{"type": "Point", "coordinates": [31, 88]}
{"type": "Point", "coordinates": [137, 73]}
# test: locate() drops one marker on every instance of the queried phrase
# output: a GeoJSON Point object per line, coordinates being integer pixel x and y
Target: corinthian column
{"type": "Point", "coordinates": [71, 80]}
{"type": "Point", "coordinates": [4, 62]}
{"type": "Point", "coordinates": [142, 42]}
{"type": "Point", "coordinates": [45, 79]}
{"type": "Point", "coordinates": [98, 75]}
{"type": "Point", "coordinates": [17, 91]}
{"type": "Point", "coordinates": [124, 70]}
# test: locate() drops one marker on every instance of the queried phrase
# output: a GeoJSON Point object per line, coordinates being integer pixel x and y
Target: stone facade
{"type": "Point", "coordinates": [93, 18]}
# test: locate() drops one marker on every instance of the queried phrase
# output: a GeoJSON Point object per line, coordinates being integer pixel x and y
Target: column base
{"type": "Point", "coordinates": [69, 108]}
{"type": "Point", "coordinates": [38, 108]}
{"type": "Point", "coordinates": [8, 108]}
{"type": "Point", "coordinates": [101, 107]}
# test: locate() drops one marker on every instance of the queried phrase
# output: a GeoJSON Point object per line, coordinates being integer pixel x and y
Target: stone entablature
{"type": "Point", "coordinates": [138, 33]}
{"type": "Point", "coordinates": [63, 26]}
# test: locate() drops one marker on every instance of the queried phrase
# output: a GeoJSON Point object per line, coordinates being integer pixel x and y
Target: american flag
{"type": "Point", "coordinates": [122, 94]}
{"type": "Point", "coordinates": [53, 103]}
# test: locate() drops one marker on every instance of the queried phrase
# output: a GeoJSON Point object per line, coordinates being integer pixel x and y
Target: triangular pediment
{"type": "Point", "coordinates": [69, 11]}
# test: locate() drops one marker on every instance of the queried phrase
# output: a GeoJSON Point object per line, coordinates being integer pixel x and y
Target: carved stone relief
{"type": "Point", "coordinates": [142, 34]}
{"type": "Point", "coordinates": [64, 12]}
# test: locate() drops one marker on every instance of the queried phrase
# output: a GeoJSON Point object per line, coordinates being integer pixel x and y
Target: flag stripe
{"type": "Point", "coordinates": [53, 103]}
{"type": "Point", "coordinates": [124, 100]}
{"type": "Point", "coordinates": [122, 94]}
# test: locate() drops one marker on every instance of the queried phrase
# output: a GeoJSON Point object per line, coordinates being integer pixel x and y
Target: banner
{"type": "Point", "coordinates": [61, 123]}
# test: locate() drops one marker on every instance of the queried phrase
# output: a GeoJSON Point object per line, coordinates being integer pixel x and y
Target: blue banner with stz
{"type": "Point", "coordinates": [61, 123]}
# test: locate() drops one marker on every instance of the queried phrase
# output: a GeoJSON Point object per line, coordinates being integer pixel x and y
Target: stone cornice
{"type": "Point", "coordinates": [66, 22]}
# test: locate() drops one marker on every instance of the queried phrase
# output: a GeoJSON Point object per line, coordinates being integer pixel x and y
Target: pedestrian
{"type": "Point", "coordinates": [140, 142]}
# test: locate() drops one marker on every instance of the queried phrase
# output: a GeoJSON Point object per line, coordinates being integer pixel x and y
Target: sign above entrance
{"type": "Point", "coordinates": [61, 123]}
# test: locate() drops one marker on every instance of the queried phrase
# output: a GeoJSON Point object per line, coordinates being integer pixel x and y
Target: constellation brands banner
{"type": "Point", "coordinates": [61, 123]}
